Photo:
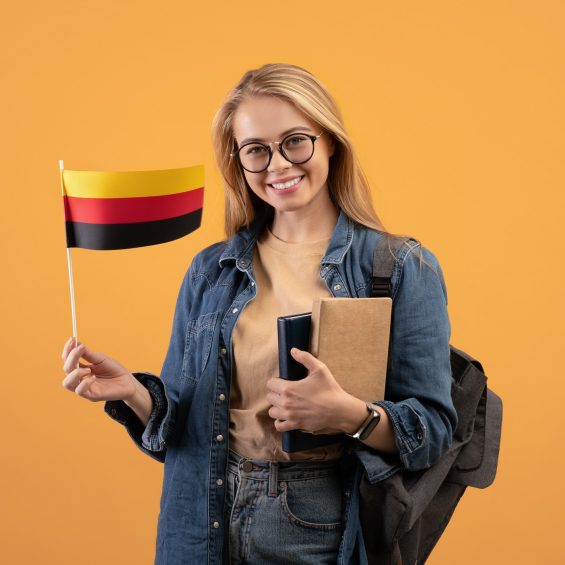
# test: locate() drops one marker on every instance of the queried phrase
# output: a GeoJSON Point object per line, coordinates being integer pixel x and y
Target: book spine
{"type": "Point", "coordinates": [283, 339]}
{"type": "Point", "coordinates": [315, 327]}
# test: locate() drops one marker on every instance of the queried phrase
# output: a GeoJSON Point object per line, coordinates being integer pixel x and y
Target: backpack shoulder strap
{"type": "Point", "coordinates": [384, 259]}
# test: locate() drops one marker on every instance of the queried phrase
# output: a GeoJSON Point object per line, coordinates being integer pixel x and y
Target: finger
{"type": "Point", "coordinates": [273, 398]}
{"type": "Point", "coordinates": [307, 359]}
{"type": "Point", "coordinates": [276, 413]}
{"type": "Point", "coordinates": [285, 425]}
{"type": "Point", "coordinates": [72, 380]}
{"type": "Point", "coordinates": [91, 356]}
{"type": "Point", "coordinates": [83, 389]}
{"type": "Point", "coordinates": [277, 385]}
{"type": "Point", "coordinates": [67, 347]}
{"type": "Point", "coordinates": [72, 360]}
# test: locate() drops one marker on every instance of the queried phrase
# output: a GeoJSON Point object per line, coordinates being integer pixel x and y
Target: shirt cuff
{"type": "Point", "coordinates": [149, 438]}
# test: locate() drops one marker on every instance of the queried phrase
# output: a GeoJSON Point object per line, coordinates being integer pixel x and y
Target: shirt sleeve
{"type": "Point", "coordinates": [147, 438]}
{"type": "Point", "coordinates": [165, 391]}
{"type": "Point", "coordinates": [418, 390]}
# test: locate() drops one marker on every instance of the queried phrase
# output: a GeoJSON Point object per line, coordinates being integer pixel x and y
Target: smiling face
{"type": "Point", "coordinates": [285, 186]}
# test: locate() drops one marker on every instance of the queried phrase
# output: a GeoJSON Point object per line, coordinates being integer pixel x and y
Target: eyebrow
{"type": "Point", "coordinates": [254, 139]}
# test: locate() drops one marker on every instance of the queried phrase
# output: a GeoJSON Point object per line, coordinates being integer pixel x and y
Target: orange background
{"type": "Point", "coordinates": [456, 110]}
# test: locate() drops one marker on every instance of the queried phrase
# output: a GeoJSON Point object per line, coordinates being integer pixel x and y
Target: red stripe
{"type": "Point", "coordinates": [131, 210]}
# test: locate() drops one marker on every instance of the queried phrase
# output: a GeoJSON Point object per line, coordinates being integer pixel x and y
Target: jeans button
{"type": "Point", "coordinates": [247, 466]}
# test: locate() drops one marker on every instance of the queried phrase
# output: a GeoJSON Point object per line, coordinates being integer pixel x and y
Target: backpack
{"type": "Point", "coordinates": [403, 516]}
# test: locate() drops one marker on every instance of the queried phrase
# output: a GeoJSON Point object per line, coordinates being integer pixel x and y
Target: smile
{"type": "Point", "coordinates": [282, 186]}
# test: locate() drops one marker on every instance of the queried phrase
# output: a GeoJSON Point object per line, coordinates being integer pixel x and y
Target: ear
{"type": "Point", "coordinates": [331, 145]}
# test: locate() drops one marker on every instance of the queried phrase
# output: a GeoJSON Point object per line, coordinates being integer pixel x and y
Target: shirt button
{"type": "Point", "coordinates": [252, 283]}
{"type": "Point", "coordinates": [223, 351]}
{"type": "Point", "coordinates": [216, 525]}
{"type": "Point", "coordinates": [420, 436]}
{"type": "Point", "coordinates": [243, 263]}
{"type": "Point", "coordinates": [222, 396]}
{"type": "Point", "coordinates": [337, 287]}
{"type": "Point", "coordinates": [220, 437]}
{"type": "Point", "coordinates": [235, 310]}
{"type": "Point", "coordinates": [219, 482]}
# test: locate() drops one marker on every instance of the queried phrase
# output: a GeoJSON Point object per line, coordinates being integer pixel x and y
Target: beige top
{"type": "Point", "coordinates": [287, 281]}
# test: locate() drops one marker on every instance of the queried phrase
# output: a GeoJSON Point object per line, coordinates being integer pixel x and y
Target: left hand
{"type": "Point", "coordinates": [313, 404]}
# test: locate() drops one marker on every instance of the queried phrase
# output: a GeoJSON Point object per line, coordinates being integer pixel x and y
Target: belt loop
{"type": "Point", "coordinates": [273, 478]}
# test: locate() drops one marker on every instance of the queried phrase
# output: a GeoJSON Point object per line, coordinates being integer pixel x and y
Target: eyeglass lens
{"type": "Point", "coordinates": [297, 148]}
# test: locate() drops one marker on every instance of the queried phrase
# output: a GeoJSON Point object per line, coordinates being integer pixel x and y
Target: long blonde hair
{"type": "Point", "coordinates": [347, 184]}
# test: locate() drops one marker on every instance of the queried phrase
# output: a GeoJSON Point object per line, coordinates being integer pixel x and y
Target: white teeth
{"type": "Point", "coordinates": [287, 184]}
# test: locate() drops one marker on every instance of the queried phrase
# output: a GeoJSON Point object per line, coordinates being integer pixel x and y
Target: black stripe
{"type": "Point", "coordinates": [126, 236]}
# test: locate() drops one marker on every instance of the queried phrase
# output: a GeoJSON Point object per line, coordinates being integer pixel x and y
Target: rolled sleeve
{"type": "Point", "coordinates": [418, 390]}
{"type": "Point", "coordinates": [150, 439]}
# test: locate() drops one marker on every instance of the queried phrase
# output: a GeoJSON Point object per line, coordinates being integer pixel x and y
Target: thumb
{"type": "Point", "coordinates": [91, 356]}
{"type": "Point", "coordinates": [306, 358]}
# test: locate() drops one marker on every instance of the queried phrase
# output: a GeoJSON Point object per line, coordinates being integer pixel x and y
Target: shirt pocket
{"type": "Point", "coordinates": [198, 343]}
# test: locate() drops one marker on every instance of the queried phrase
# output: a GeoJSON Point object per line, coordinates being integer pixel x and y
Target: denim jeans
{"type": "Point", "coordinates": [283, 512]}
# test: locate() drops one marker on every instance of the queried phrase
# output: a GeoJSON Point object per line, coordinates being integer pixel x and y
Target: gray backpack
{"type": "Point", "coordinates": [403, 516]}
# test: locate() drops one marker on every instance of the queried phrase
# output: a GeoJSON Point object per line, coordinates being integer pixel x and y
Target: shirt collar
{"type": "Point", "coordinates": [240, 247]}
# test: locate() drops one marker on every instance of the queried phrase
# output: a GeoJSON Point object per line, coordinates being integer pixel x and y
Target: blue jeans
{"type": "Point", "coordinates": [283, 512]}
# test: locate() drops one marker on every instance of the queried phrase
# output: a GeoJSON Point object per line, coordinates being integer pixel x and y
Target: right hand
{"type": "Point", "coordinates": [103, 379]}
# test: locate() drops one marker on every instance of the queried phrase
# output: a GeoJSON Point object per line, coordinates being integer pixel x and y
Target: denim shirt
{"type": "Point", "coordinates": [188, 428]}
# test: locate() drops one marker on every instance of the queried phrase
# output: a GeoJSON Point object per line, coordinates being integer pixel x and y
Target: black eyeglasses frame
{"type": "Point", "coordinates": [267, 146]}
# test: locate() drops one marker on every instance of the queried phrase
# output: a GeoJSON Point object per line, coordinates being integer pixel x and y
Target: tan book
{"type": "Point", "coordinates": [351, 336]}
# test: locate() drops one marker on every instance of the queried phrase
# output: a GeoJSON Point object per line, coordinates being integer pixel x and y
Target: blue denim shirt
{"type": "Point", "coordinates": [188, 428]}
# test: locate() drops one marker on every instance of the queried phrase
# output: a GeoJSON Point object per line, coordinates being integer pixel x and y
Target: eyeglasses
{"type": "Point", "coordinates": [297, 148]}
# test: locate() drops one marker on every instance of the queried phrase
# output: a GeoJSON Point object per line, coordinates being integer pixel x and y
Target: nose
{"type": "Point", "coordinates": [278, 162]}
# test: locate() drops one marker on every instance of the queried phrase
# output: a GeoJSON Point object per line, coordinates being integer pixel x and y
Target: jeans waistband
{"type": "Point", "coordinates": [287, 470]}
{"type": "Point", "coordinates": [276, 471]}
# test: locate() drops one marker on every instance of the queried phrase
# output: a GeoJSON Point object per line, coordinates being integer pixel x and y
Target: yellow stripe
{"type": "Point", "coordinates": [126, 184]}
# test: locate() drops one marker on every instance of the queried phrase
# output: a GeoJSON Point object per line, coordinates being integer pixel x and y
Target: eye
{"type": "Point", "coordinates": [295, 141]}
{"type": "Point", "coordinates": [255, 149]}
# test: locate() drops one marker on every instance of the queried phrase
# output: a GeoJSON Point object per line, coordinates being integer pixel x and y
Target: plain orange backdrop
{"type": "Point", "coordinates": [456, 111]}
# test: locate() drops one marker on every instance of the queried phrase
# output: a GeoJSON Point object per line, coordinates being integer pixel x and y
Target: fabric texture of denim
{"type": "Point", "coordinates": [188, 427]}
{"type": "Point", "coordinates": [282, 513]}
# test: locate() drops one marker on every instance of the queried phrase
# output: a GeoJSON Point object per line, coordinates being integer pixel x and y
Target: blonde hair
{"type": "Point", "coordinates": [347, 184]}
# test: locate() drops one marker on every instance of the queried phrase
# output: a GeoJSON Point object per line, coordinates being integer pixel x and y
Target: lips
{"type": "Point", "coordinates": [285, 183]}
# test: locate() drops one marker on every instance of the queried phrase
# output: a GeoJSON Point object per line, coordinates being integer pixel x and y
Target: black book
{"type": "Point", "coordinates": [294, 331]}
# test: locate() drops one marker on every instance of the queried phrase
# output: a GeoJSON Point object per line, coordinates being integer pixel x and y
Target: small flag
{"type": "Point", "coordinates": [121, 210]}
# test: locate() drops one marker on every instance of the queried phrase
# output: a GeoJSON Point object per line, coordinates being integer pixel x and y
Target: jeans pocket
{"type": "Point", "coordinates": [313, 503]}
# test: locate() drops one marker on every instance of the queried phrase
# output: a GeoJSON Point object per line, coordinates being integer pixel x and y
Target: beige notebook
{"type": "Point", "coordinates": [351, 336]}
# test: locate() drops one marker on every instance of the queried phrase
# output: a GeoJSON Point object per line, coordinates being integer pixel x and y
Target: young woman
{"type": "Point", "coordinates": [299, 224]}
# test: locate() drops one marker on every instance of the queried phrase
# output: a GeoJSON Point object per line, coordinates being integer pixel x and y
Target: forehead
{"type": "Point", "coordinates": [267, 117]}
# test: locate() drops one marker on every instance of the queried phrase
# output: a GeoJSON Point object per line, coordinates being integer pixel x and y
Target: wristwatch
{"type": "Point", "coordinates": [369, 424]}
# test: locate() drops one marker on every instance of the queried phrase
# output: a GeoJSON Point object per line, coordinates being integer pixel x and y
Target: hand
{"type": "Point", "coordinates": [103, 379]}
{"type": "Point", "coordinates": [314, 404]}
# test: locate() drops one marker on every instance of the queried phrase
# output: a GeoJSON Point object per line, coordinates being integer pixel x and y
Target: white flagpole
{"type": "Point", "coordinates": [70, 264]}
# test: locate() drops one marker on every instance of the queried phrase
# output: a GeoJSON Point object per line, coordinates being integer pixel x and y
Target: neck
{"type": "Point", "coordinates": [295, 228]}
{"type": "Point", "coordinates": [302, 226]}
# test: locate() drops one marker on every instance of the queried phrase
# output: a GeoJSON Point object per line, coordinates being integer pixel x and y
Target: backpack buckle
{"type": "Point", "coordinates": [381, 287]}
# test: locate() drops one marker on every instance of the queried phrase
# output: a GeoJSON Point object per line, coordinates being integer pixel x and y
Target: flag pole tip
{"type": "Point", "coordinates": [61, 165]}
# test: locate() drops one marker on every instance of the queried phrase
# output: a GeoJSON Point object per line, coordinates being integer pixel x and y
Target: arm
{"type": "Point", "coordinates": [418, 417]}
{"type": "Point", "coordinates": [418, 391]}
{"type": "Point", "coordinates": [141, 403]}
